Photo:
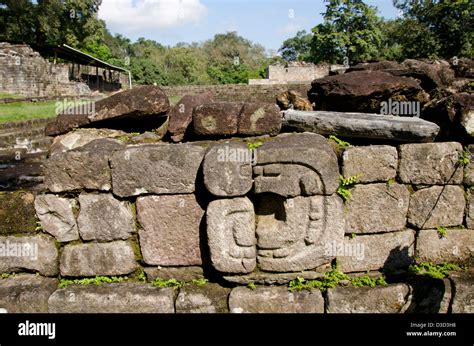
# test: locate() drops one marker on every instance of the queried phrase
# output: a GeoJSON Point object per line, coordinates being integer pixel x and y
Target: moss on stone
{"type": "Point", "coordinates": [17, 213]}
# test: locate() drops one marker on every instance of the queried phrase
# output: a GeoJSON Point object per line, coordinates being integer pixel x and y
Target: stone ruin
{"type": "Point", "coordinates": [248, 198]}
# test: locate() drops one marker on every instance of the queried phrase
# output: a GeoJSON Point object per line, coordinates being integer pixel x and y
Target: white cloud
{"type": "Point", "coordinates": [134, 16]}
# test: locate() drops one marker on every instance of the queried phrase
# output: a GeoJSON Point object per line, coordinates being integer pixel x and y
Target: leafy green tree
{"type": "Point", "coordinates": [437, 28]}
{"type": "Point", "coordinates": [350, 31]}
{"type": "Point", "coordinates": [298, 47]}
{"type": "Point", "coordinates": [17, 17]}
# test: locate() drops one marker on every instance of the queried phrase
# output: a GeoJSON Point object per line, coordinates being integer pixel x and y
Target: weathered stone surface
{"type": "Point", "coordinates": [112, 298]}
{"type": "Point", "coordinates": [464, 68]}
{"type": "Point", "coordinates": [275, 300]}
{"type": "Point", "coordinates": [430, 163]}
{"type": "Point", "coordinates": [17, 212]}
{"type": "Point", "coordinates": [266, 278]}
{"type": "Point", "coordinates": [170, 234]}
{"type": "Point", "coordinates": [86, 167]}
{"type": "Point", "coordinates": [181, 114]}
{"type": "Point", "coordinates": [104, 218]}
{"type": "Point", "coordinates": [147, 137]}
{"type": "Point", "coordinates": [469, 169]}
{"type": "Point", "coordinates": [456, 247]}
{"type": "Point", "coordinates": [376, 208]}
{"type": "Point", "coordinates": [431, 75]}
{"type": "Point", "coordinates": [296, 164]}
{"type": "Point", "coordinates": [470, 209]}
{"type": "Point", "coordinates": [454, 114]}
{"type": "Point", "coordinates": [429, 295]}
{"type": "Point", "coordinates": [375, 251]}
{"type": "Point", "coordinates": [299, 101]}
{"type": "Point", "coordinates": [231, 235]}
{"type": "Point", "coordinates": [373, 163]}
{"type": "Point", "coordinates": [293, 233]}
{"type": "Point", "coordinates": [80, 137]}
{"type": "Point", "coordinates": [463, 300]}
{"type": "Point", "coordinates": [362, 91]}
{"type": "Point", "coordinates": [56, 217]}
{"type": "Point", "coordinates": [259, 119]}
{"type": "Point", "coordinates": [210, 298]}
{"type": "Point", "coordinates": [26, 293]}
{"type": "Point", "coordinates": [35, 253]}
{"type": "Point", "coordinates": [294, 100]}
{"type": "Point", "coordinates": [380, 299]}
{"type": "Point", "coordinates": [361, 125]}
{"type": "Point", "coordinates": [94, 259]}
{"type": "Point", "coordinates": [159, 169]}
{"type": "Point", "coordinates": [437, 206]}
{"type": "Point", "coordinates": [228, 169]}
{"type": "Point", "coordinates": [140, 104]}
{"type": "Point", "coordinates": [374, 66]}
{"type": "Point", "coordinates": [178, 273]}
{"type": "Point", "coordinates": [217, 118]}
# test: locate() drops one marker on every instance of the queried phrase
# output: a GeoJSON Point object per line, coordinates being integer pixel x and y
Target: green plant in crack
{"type": "Point", "coordinates": [330, 280]}
{"type": "Point", "coordinates": [442, 231]}
{"type": "Point", "coordinates": [254, 146]}
{"type": "Point", "coordinates": [98, 280]}
{"type": "Point", "coordinates": [251, 285]}
{"type": "Point", "coordinates": [364, 281]}
{"type": "Point", "coordinates": [464, 158]}
{"type": "Point", "coordinates": [174, 283]}
{"type": "Point", "coordinates": [340, 142]}
{"type": "Point", "coordinates": [345, 184]}
{"type": "Point", "coordinates": [199, 282]}
{"type": "Point", "coordinates": [438, 271]}
{"type": "Point", "coordinates": [158, 282]}
{"type": "Point", "coordinates": [141, 275]}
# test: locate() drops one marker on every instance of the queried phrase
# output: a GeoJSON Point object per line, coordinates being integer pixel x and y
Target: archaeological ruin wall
{"type": "Point", "coordinates": [248, 221]}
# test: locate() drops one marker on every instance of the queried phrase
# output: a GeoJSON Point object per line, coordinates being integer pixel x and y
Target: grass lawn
{"type": "Point", "coordinates": [18, 111]}
{"type": "Point", "coordinates": [4, 95]}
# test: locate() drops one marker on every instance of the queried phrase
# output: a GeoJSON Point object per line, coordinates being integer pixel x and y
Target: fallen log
{"type": "Point", "coordinates": [361, 125]}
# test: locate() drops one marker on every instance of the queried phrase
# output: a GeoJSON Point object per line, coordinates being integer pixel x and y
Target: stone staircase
{"type": "Point", "coordinates": [23, 148]}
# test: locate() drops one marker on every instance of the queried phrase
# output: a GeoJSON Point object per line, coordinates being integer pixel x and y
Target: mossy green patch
{"type": "Point", "coordinates": [17, 213]}
{"type": "Point", "coordinates": [159, 282]}
{"type": "Point", "coordinates": [98, 280]}
{"type": "Point", "coordinates": [331, 279]}
{"type": "Point", "coordinates": [438, 271]}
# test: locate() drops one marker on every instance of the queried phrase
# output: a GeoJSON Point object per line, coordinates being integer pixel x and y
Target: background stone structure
{"type": "Point", "coordinates": [23, 71]}
{"type": "Point", "coordinates": [292, 72]}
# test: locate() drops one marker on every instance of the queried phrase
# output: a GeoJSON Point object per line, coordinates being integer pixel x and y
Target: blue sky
{"type": "Point", "coordinates": [268, 22]}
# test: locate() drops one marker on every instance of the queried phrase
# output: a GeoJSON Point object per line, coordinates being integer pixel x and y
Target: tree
{"type": "Point", "coordinates": [17, 17]}
{"type": "Point", "coordinates": [233, 59]}
{"type": "Point", "coordinates": [298, 47]}
{"type": "Point", "coordinates": [350, 32]}
{"type": "Point", "coordinates": [446, 25]}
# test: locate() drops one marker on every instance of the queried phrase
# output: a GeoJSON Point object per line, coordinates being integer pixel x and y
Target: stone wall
{"type": "Point", "coordinates": [23, 71]}
{"type": "Point", "coordinates": [237, 92]}
{"type": "Point", "coordinates": [255, 224]}
{"type": "Point", "coordinates": [27, 134]}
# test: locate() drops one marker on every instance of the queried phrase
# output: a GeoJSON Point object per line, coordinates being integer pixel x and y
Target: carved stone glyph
{"type": "Point", "coordinates": [294, 234]}
{"type": "Point", "coordinates": [296, 165]}
{"type": "Point", "coordinates": [231, 235]}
